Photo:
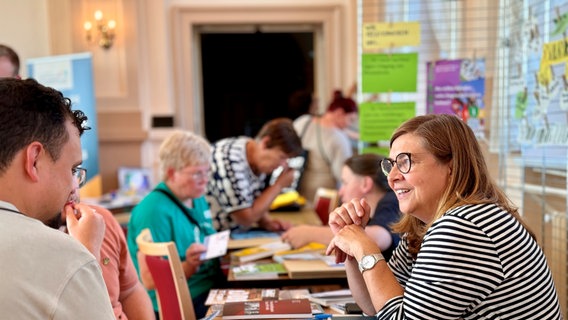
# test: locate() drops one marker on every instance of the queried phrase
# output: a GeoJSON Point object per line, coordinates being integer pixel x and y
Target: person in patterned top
{"type": "Point", "coordinates": [238, 192]}
{"type": "Point", "coordinates": [465, 251]}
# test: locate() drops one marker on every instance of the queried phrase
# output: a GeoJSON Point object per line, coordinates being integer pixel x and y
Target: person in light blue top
{"type": "Point", "coordinates": [177, 211]}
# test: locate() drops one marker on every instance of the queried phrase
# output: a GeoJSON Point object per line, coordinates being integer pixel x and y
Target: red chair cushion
{"type": "Point", "coordinates": [322, 209]}
{"type": "Point", "coordinates": [163, 280]}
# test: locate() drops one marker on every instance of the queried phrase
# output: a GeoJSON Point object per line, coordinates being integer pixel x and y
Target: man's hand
{"type": "Point", "coordinates": [286, 178]}
{"type": "Point", "coordinates": [85, 225]}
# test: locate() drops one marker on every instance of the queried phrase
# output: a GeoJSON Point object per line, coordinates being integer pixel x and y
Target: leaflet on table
{"type": "Point", "coordinates": [222, 296]}
{"type": "Point", "coordinates": [270, 270]}
{"type": "Point", "coordinates": [216, 245]}
{"type": "Point", "coordinates": [307, 254]}
{"type": "Point", "coordinates": [330, 261]}
{"type": "Point", "coordinates": [263, 251]}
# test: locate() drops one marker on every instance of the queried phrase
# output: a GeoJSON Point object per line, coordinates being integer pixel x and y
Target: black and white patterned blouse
{"type": "Point", "coordinates": [232, 184]}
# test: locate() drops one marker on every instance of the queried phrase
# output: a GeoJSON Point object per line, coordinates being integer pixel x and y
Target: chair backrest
{"type": "Point", "coordinates": [163, 261]}
{"type": "Point", "coordinates": [324, 202]}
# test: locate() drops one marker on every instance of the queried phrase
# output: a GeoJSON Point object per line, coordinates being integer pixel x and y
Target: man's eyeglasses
{"type": "Point", "coordinates": [402, 160]}
{"type": "Point", "coordinates": [80, 174]}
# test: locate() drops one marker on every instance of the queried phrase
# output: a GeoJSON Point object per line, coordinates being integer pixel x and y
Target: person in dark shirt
{"type": "Point", "coordinates": [361, 177]}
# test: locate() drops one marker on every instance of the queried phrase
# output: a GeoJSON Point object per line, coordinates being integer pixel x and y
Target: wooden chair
{"type": "Point", "coordinates": [164, 264]}
{"type": "Point", "coordinates": [325, 201]}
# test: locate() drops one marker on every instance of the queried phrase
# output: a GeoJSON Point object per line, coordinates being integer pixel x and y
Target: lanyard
{"type": "Point", "coordinates": [181, 206]}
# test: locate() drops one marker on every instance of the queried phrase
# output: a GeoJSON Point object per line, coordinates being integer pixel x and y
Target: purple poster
{"type": "Point", "coordinates": [457, 87]}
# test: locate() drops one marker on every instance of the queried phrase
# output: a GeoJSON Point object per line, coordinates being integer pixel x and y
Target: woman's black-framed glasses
{"type": "Point", "coordinates": [402, 160]}
{"type": "Point", "coordinates": [80, 174]}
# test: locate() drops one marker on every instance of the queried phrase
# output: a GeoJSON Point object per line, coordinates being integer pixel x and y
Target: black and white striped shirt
{"type": "Point", "coordinates": [476, 262]}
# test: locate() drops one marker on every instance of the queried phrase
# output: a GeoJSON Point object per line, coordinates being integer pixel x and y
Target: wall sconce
{"type": "Point", "coordinates": [104, 30]}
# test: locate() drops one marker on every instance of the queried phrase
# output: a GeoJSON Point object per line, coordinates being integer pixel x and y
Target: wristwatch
{"type": "Point", "coordinates": [369, 261]}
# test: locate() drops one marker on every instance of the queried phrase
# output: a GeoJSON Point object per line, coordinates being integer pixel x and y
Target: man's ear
{"type": "Point", "coordinates": [34, 154]}
{"type": "Point", "coordinates": [264, 141]}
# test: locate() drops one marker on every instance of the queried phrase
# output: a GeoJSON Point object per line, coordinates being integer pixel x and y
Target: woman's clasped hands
{"type": "Point", "coordinates": [347, 222]}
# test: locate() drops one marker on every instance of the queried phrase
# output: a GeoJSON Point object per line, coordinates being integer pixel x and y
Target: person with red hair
{"type": "Point", "coordinates": [327, 143]}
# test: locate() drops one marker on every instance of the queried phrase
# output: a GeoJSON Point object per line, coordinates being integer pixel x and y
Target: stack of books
{"type": "Point", "coordinates": [328, 298]}
{"type": "Point", "coordinates": [311, 251]}
{"type": "Point", "coordinates": [258, 252]}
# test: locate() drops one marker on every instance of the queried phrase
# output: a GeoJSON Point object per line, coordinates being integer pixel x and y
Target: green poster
{"type": "Point", "coordinates": [383, 72]}
{"type": "Point", "coordinates": [376, 150]}
{"type": "Point", "coordinates": [377, 121]}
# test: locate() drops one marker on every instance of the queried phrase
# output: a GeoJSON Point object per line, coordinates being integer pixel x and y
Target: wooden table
{"type": "Point", "coordinates": [305, 216]}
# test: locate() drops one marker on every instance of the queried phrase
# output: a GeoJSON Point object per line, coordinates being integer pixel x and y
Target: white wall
{"type": "Point", "coordinates": [25, 29]}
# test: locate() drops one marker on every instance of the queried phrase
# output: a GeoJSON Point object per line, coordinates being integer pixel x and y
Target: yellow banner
{"type": "Point", "coordinates": [390, 35]}
{"type": "Point", "coordinates": [552, 53]}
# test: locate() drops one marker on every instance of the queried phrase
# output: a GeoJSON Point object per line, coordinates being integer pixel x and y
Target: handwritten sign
{"type": "Point", "coordinates": [377, 121]}
{"type": "Point", "coordinates": [389, 35]}
{"type": "Point", "coordinates": [389, 72]}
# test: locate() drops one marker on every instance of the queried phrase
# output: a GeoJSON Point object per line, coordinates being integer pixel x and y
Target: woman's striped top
{"type": "Point", "coordinates": [476, 262]}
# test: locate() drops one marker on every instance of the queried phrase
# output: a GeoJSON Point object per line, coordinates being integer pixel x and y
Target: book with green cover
{"type": "Point", "coordinates": [258, 271]}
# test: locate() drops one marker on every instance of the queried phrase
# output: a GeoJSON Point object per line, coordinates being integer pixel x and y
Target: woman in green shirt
{"type": "Point", "coordinates": [177, 211]}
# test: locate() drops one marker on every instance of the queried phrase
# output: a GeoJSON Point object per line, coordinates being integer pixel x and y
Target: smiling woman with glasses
{"type": "Point", "coordinates": [463, 241]}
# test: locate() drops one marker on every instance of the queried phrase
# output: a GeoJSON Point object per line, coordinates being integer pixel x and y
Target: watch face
{"type": "Point", "coordinates": [368, 262]}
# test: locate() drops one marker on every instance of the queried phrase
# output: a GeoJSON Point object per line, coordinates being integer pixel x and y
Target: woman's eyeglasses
{"type": "Point", "coordinates": [197, 175]}
{"type": "Point", "coordinates": [80, 174]}
{"type": "Point", "coordinates": [402, 161]}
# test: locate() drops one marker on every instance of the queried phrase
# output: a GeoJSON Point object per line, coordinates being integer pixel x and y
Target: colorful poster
{"type": "Point", "coordinates": [538, 96]}
{"type": "Point", "coordinates": [382, 72]}
{"type": "Point", "coordinates": [73, 76]}
{"type": "Point", "coordinates": [458, 87]}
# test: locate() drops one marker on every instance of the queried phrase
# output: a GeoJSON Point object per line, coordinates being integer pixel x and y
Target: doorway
{"type": "Point", "coordinates": [247, 78]}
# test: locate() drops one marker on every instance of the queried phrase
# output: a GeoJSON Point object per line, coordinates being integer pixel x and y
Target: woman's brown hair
{"type": "Point", "coordinates": [281, 135]}
{"type": "Point", "coordinates": [450, 139]}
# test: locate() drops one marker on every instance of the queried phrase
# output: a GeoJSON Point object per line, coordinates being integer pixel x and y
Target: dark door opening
{"type": "Point", "coordinates": [248, 78]}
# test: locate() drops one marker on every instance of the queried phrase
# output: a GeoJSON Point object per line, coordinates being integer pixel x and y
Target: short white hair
{"type": "Point", "coordinates": [181, 149]}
